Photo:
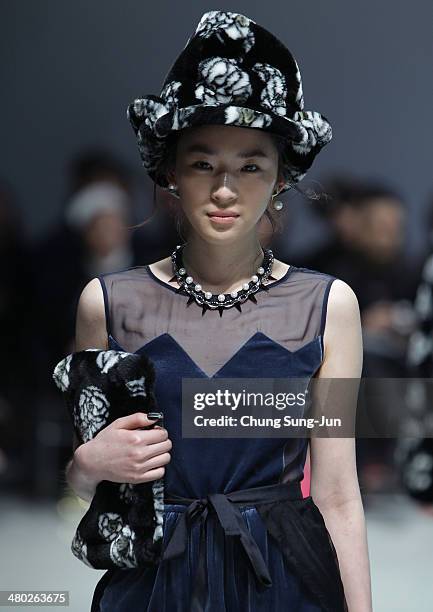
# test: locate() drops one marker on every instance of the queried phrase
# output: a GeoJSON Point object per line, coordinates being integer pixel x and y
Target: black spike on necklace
{"type": "Point", "coordinates": [221, 301]}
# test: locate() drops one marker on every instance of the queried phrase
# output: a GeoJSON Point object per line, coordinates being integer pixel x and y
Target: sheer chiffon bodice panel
{"type": "Point", "coordinates": [140, 307]}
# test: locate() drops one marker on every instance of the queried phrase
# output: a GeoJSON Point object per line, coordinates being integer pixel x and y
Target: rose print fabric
{"type": "Point", "coordinates": [123, 526]}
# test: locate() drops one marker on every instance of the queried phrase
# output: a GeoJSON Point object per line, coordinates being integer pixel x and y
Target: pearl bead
{"type": "Point", "coordinates": [260, 270]}
{"type": "Point", "coordinates": [189, 279]}
{"type": "Point", "coordinates": [182, 271]}
{"type": "Point", "coordinates": [208, 295]}
{"type": "Point", "coordinates": [245, 286]}
{"type": "Point", "coordinates": [198, 287]}
{"type": "Point", "coordinates": [234, 294]}
{"type": "Point", "coordinates": [221, 297]}
{"type": "Point", "coordinates": [255, 278]}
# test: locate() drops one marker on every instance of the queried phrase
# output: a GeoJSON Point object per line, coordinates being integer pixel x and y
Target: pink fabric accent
{"type": "Point", "coordinates": [305, 482]}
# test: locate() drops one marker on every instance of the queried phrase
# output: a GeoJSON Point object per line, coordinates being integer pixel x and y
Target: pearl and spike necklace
{"type": "Point", "coordinates": [221, 301]}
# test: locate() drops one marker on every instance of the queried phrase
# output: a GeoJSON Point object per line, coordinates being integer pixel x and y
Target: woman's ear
{"type": "Point", "coordinates": [278, 187]}
{"type": "Point", "coordinates": [279, 183]}
{"type": "Point", "coordinates": [171, 177]}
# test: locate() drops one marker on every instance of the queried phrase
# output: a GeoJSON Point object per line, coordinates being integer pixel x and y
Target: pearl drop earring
{"type": "Point", "coordinates": [278, 205]}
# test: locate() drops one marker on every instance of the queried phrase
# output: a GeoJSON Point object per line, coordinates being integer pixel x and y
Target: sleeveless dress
{"type": "Point", "coordinates": [282, 557]}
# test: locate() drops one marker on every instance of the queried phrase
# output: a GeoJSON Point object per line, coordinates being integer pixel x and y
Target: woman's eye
{"type": "Point", "coordinates": [196, 165]}
{"type": "Point", "coordinates": [202, 165]}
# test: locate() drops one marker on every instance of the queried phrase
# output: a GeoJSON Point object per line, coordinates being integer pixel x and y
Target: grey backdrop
{"type": "Point", "coordinates": [69, 68]}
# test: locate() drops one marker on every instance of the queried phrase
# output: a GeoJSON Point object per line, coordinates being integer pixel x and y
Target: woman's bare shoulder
{"type": "Point", "coordinates": [90, 327]}
{"type": "Point", "coordinates": [342, 302]}
{"type": "Point", "coordinates": [343, 333]}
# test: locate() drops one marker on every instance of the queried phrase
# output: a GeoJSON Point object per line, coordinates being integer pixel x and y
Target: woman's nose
{"type": "Point", "coordinates": [224, 188]}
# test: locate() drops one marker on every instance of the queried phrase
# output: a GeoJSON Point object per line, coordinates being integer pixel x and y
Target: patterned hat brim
{"type": "Point", "coordinates": [306, 133]}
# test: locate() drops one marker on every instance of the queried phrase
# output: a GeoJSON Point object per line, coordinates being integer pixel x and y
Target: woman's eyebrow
{"type": "Point", "coordinates": [203, 148]}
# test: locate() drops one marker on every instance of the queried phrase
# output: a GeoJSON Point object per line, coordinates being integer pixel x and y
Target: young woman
{"type": "Point", "coordinates": [227, 134]}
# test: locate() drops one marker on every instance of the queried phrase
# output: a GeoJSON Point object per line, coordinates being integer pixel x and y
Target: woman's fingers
{"type": "Point", "coordinates": [132, 421]}
{"type": "Point", "coordinates": [150, 476]}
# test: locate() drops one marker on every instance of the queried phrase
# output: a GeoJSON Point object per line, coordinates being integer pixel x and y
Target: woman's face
{"type": "Point", "coordinates": [224, 169]}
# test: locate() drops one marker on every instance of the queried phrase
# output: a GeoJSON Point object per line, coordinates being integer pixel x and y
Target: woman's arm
{"type": "Point", "coordinates": [90, 332]}
{"type": "Point", "coordinates": [121, 451]}
{"type": "Point", "coordinates": [334, 480]}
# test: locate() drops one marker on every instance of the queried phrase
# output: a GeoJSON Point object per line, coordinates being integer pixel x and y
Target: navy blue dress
{"type": "Point", "coordinates": [284, 558]}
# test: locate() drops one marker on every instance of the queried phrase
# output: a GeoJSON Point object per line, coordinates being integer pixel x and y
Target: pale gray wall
{"type": "Point", "coordinates": [69, 68]}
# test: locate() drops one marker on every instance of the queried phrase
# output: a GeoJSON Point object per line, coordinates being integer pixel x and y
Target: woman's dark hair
{"type": "Point", "coordinates": [274, 217]}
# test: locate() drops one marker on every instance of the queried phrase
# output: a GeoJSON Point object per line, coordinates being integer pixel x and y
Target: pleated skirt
{"type": "Point", "coordinates": [231, 584]}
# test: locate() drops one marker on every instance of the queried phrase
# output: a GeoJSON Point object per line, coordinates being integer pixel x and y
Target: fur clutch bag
{"type": "Point", "coordinates": [123, 526]}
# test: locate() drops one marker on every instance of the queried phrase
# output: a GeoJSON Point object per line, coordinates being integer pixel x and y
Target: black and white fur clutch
{"type": "Point", "coordinates": [123, 527]}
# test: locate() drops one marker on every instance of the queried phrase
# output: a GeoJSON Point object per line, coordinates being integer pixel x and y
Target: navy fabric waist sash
{"type": "Point", "coordinates": [226, 508]}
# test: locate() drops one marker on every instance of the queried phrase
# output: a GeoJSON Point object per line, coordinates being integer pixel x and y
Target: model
{"type": "Point", "coordinates": [226, 135]}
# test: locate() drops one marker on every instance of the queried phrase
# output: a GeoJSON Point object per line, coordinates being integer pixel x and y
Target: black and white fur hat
{"type": "Point", "coordinates": [231, 72]}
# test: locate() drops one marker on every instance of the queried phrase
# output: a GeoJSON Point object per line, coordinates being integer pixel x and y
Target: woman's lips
{"type": "Point", "coordinates": [226, 219]}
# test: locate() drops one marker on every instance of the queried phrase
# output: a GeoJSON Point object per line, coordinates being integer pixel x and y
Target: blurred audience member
{"type": "Point", "coordinates": [414, 452]}
{"type": "Point", "coordinates": [15, 362]}
{"type": "Point", "coordinates": [99, 213]}
{"type": "Point", "coordinates": [366, 250]}
{"type": "Point", "coordinates": [13, 275]}
{"type": "Point", "coordinates": [90, 238]}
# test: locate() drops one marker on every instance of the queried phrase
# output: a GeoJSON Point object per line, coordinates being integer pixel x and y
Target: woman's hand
{"type": "Point", "coordinates": [122, 452]}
